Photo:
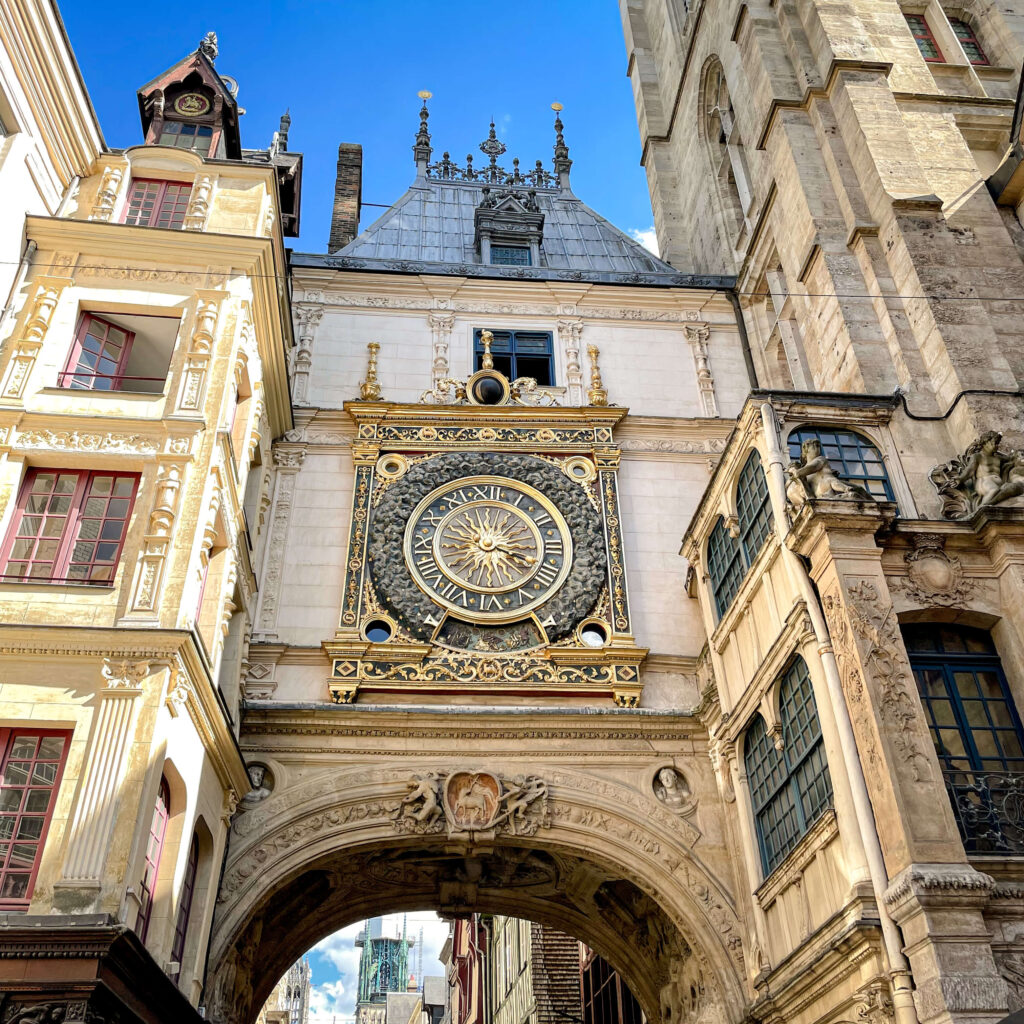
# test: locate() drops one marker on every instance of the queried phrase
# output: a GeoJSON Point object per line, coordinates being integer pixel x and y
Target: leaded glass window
{"type": "Point", "coordinates": [511, 255]}
{"type": "Point", "coordinates": [754, 507]}
{"type": "Point", "coordinates": [186, 136]}
{"type": "Point", "coordinates": [790, 788]}
{"type": "Point", "coordinates": [923, 37]}
{"type": "Point", "coordinates": [851, 456]}
{"type": "Point", "coordinates": [968, 41]}
{"type": "Point", "coordinates": [725, 566]}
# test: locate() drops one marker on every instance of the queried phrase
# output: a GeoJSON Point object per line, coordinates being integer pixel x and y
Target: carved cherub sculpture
{"type": "Point", "coordinates": [812, 476]}
{"type": "Point", "coordinates": [422, 788]}
{"type": "Point", "coordinates": [982, 476]}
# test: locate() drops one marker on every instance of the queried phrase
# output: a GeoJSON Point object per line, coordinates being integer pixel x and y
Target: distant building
{"type": "Point", "coordinates": [383, 972]}
{"type": "Point", "coordinates": [605, 999]}
{"type": "Point", "coordinates": [289, 1002]}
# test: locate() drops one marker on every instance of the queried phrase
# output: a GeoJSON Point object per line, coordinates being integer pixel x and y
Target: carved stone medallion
{"type": "Point", "coordinates": [471, 799]}
{"type": "Point", "coordinates": [487, 538]}
{"type": "Point", "coordinates": [933, 576]}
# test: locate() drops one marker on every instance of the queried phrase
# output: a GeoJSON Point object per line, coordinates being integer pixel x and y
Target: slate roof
{"type": "Point", "coordinates": [430, 230]}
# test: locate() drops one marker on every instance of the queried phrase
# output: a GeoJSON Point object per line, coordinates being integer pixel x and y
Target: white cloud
{"type": "Point", "coordinates": [647, 238]}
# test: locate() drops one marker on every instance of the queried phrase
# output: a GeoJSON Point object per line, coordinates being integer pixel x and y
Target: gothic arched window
{"type": "Point", "coordinates": [726, 147]}
{"type": "Point", "coordinates": [789, 788]}
{"type": "Point", "coordinates": [754, 507]}
{"type": "Point", "coordinates": [976, 729]}
{"type": "Point", "coordinates": [851, 456]}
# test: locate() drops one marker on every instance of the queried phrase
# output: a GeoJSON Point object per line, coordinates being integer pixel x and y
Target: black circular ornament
{"type": "Point", "coordinates": [396, 586]}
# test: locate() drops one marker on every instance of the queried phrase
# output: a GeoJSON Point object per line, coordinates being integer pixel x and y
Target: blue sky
{"type": "Point", "coordinates": [349, 71]}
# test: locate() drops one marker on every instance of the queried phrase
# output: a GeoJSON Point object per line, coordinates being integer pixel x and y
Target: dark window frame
{"type": "Point", "coordinates": [839, 438]}
{"type": "Point", "coordinates": [501, 256]}
{"type": "Point", "coordinates": [188, 889]}
{"type": "Point", "coordinates": [791, 789]}
{"type": "Point", "coordinates": [508, 357]}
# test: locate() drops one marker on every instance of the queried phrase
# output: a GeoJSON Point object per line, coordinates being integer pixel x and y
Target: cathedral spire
{"type": "Point", "coordinates": [562, 162]}
{"type": "Point", "coordinates": [421, 149]}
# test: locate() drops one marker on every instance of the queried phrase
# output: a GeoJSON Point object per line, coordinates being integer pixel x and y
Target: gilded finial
{"type": "Point", "coordinates": [369, 390]}
{"type": "Point", "coordinates": [562, 163]}
{"type": "Point", "coordinates": [486, 360]}
{"type": "Point", "coordinates": [597, 394]}
{"type": "Point", "coordinates": [421, 149]}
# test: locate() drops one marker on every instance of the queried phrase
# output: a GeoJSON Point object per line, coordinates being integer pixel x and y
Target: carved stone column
{"type": "Point", "coordinates": [570, 334]}
{"type": "Point", "coordinates": [607, 466]}
{"type": "Point", "coordinates": [441, 325]}
{"type": "Point", "coordinates": [287, 461]}
{"type": "Point", "coordinates": [699, 337]}
{"type": "Point", "coordinates": [105, 759]}
{"type": "Point", "coordinates": [308, 317]}
{"type": "Point", "coordinates": [198, 204]}
{"type": "Point", "coordinates": [106, 197]}
{"type": "Point", "coordinates": [200, 350]}
{"type": "Point", "coordinates": [27, 346]}
{"type": "Point", "coordinates": [364, 458]}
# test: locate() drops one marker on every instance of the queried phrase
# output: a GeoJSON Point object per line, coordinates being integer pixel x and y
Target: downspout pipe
{"type": "Point", "coordinates": [899, 971]}
{"type": "Point", "coordinates": [19, 279]}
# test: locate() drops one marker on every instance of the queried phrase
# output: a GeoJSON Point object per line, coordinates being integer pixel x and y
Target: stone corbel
{"type": "Point", "coordinates": [699, 337]}
{"type": "Point", "coordinates": [198, 204]}
{"type": "Point", "coordinates": [441, 326]}
{"type": "Point", "coordinates": [106, 197]}
{"type": "Point", "coordinates": [26, 348]}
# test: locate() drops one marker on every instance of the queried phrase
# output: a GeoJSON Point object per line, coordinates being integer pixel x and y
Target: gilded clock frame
{"type": "Point", "coordinates": [403, 668]}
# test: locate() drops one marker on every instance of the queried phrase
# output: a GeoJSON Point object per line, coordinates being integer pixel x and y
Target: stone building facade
{"type": "Point", "coordinates": [346, 583]}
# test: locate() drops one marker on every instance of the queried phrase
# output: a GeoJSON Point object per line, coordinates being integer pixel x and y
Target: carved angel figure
{"type": "Point", "coordinates": [812, 476]}
{"type": "Point", "coordinates": [984, 475]}
{"type": "Point", "coordinates": [422, 788]}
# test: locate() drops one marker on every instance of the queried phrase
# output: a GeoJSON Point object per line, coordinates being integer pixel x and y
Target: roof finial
{"type": "Point", "coordinates": [562, 162]}
{"type": "Point", "coordinates": [493, 147]}
{"type": "Point", "coordinates": [208, 47]}
{"type": "Point", "coordinates": [421, 150]}
{"type": "Point", "coordinates": [279, 143]}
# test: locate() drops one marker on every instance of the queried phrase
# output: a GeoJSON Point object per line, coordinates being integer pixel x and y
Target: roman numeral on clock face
{"type": "Point", "coordinates": [546, 574]}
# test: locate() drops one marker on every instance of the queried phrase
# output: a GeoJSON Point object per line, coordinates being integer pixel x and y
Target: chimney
{"type": "Point", "coordinates": [348, 193]}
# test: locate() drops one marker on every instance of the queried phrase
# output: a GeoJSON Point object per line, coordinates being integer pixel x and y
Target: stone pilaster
{"type": "Point", "coordinates": [106, 196]}
{"type": "Point", "coordinates": [27, 346]}
{"type": "Point", "coordinates": [287, 462]}
{"type": "Point", "coordinates": [699, 337]}
{"type": "Point", "coordinates": [570, 335]}
{"type": "Point", "coordinates": [307, 318]}
{"type": "Point", "coordinates": [200, 350]}
{"type": "Point", "coordinates": [105, 760]}
{"type": "Point", "coordinates": [441, 325]}
{"type": "Point", "coordinates": [198, 204]}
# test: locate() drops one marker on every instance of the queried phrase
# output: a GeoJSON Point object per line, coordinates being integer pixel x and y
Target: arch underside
{"type": "Point", "coordinates": [643, 902]}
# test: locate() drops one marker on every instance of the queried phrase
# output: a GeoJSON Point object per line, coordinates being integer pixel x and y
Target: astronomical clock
{"type": "Point", "coordinates": [485, 550]}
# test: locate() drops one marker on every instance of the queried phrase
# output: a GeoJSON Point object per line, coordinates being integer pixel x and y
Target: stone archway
{"type": "Point", "coordinates": [627, 876]}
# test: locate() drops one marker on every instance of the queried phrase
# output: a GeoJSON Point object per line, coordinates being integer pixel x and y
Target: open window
{"type": "Point", "coordinates": [520, 354]}
{"type": "Point", "coordinates": [120, 352]}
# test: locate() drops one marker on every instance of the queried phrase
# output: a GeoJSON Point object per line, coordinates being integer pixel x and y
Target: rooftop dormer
{"type": "Point", "coordinates": [190, 106]}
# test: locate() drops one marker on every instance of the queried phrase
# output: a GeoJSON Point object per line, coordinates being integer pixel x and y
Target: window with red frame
{"type": "Point", "coordinates": [188, 888]}
{"type": "Point", "coordinates": [154, 848]}
{"type": "Point", "coordinates": [70, 526]}
{"type": "Point", "coordinates": [30, 774]}
{"type": "Point", "coordinates": [969, 42]}
{"type": "Point", "coordinates": [98, 357]}
{"type": "Point", "coordinates": [157, 204]}
{"type": "Point", "coordinates": [924, 38]}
